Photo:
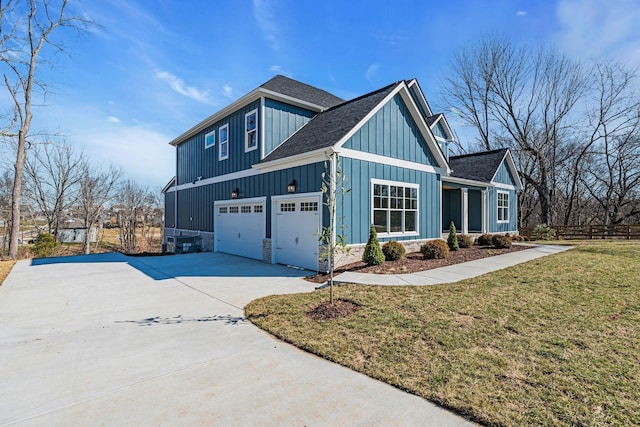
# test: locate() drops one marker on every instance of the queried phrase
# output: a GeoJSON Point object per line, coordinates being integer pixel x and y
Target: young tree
{"type": "Point", "coordinates": [25, 40]}
{"type": "Point", "coordinates": [95, 188]}
{"type": "Point", "coordinates": [334, 243]}
{"type": "Point", "coordinates": [132, 201]}
{"type": "Point", "coordinates": [53, 172]}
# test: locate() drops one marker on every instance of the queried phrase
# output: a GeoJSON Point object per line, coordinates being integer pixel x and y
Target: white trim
{"type": "Point", "coordinates": [221, 143]}
{"type": "Point", "coordinates": [292, 101]}
{"type": "Point", "coordinates": [206, 135]}
{"type": "Point", "coordinates": [377, 158]}
{"type": "Point", "coordinates": [512, 168]}
{"type": "Point", "coordinates": [377, 181]}
{"type": "Point", "coordinates": [239, 202]}
{"type": "Point", "coordinates": [261, 128]}
{"type": "Point", "coordinates": [465, 210]}
{"type": "Point", "coordinates": [232, 202]}
{"type": "Point", "coordinates": [485, 211]}
{"type": "Point", "coordinates": [246, 131]}
{"type": "Point", "coordinates": [309, 157]}
{"type": "Point", "coordinates": [504, 186]}
{"type": "Point", "coordinates": [423, 100]}
{"type": "Point", "coordinates": [498, 220]}
{"type": "Point", "coordinates": [216, 179]}
{"type": "Point", "coordinates": [465, 181]}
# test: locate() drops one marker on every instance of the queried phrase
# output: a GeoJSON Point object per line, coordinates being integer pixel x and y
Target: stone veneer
{"type": "Point", "coordinates": [266, 251]}
{"type": "Point", "coordinates": [207, 236]}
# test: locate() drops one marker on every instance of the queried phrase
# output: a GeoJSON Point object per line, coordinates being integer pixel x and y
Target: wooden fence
{"type": "Point", "coordinates": [586, 232]}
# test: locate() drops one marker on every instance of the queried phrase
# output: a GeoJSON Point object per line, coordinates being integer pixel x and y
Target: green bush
{"type": "Point", "coordinates": [44, 245]}
{"type": "Point", "coordinates": [501, 242]}
{"type": "Point", "coordinates": [544, 232]}
{"type": "Point", "coordinates": [372, 253]}
{"type": "Point", "coordinates": [435, 249]}
{"type": "Point", "coordinates": [464, 241]}
{"type": "Point", "coordinates": [393, 250]}
{"type": "Point", "coordinates": [484, 240]}
{"type": "Point", "coordinates": [452, 240]}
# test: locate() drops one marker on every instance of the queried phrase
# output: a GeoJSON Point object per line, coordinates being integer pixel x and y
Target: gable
{"type": "Point", "coordinates": [503, 175]}
{"type": "Point", "coordinates": [438, 130]}
{"type": "Point", "coordinates": [392, 132]}
{"type": "Point", "coordinates": [281, 121]}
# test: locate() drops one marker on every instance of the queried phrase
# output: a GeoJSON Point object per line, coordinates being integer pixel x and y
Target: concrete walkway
{"type": "Point", "coordinates": [453, 273]}
{"type": "Point", "coordinates": [113, 340]}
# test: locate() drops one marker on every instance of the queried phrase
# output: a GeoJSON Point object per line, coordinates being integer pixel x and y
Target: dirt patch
{"type": "Point", "coordinates": [328, 311]}
{"type": "Point", "coordinates": [413, 262]}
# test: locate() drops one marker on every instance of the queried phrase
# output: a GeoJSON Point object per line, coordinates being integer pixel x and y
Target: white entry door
{"type": "Point", "coordinates": [240, 228]}
{"type": "Point", "coordinates": [296, 233]}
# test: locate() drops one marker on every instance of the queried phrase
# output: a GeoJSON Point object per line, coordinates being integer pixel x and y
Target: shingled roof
{"type": "Point", "coordinates": [301, 91]}
{"type": "Point", "coordinates": [328, 127]}
{"type": "Point", "coordinates": [477, 166]}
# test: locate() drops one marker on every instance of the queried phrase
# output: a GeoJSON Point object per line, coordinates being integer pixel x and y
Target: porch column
{"type": "Point", "coordinates": [485, 213]}
{"type": "Point", "coordinates": [465, 211]}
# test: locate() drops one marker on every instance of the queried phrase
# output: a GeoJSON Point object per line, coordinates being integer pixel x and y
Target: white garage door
{"type": "Point", "coordinates": [239, 228]}
{"type": "Point", "coordinates": [296, 234]}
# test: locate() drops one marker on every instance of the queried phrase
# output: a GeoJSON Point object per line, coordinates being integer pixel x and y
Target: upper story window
{"type": "Point", "coordinates": [223, 142]}
{"type": "Point", "coordinates": [395, 208]}
{"type": "Point", "coordinates": [210, 139]}
{"type": "Point", "coordinates": [251, 131]}
{"type": "Point", "coordinates": [503, 206]}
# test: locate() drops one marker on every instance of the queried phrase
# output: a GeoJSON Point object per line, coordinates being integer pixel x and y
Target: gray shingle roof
{"type": "Point", "coordinates": [328, 127]}
{"type": "Point", "coordinates": [301, 91]}
{"type": "Point", "coordinates": [477, 166]}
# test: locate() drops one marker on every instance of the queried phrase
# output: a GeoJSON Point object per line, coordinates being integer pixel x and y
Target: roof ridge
{"type": "Point", "coordinates": [478, 153]}
{"type": "Point", "coordinates": [366, 95]}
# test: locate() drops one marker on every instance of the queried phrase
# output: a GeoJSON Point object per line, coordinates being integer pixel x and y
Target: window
{"type": "Point", "coordinates": [251, 131]}
{"type": "Point", "coordinates": [257, 209]}
{"type": "Point", "coordinates": [287, 207]}
{"type": "Point", "coordinates": [223, 210]}
{"type": "Point", "coordinates": [395, 208]}
{"type": "Point", "coordinates": [223, 140]}
{"type": "Point", "coordinates": [233, 209]}
{"type": "Point", "coordinates": [245, 209]}
{"type": "Point", "coordinates": [210, 139]}
{"type": "Point", "coordinates": [503, 206]}
{"type": "Point", "coordinates": [309, 206]}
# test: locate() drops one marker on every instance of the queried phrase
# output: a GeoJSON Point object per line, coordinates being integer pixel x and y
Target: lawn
{"type": "Point", "coordinates": [5, 269]}
{"type": "Point", "coordinates": [555, 341]}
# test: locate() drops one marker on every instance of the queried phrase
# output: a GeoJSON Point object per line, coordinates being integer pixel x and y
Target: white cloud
{"type": "Point", "coordinates": [371, 73]}
{"type": "Point", "coordinates": [267, 22]}
{"type": "Point", "coordinates": [178, 85]}
{"type": "Point", "coordinates": [593, 29]}
{"type": "Point", "coordinates": [521, 13]}
{"type": "Point", "coordinates": [275, 68]}
{"type": "Point", "coordinates": [113, 119]}
{"type": "Point", "coordinates": [227, 91]}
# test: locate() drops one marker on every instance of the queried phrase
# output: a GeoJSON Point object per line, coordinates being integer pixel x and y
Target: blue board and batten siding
{"type": "Point", "coordinates": [392, 132]}
{"type": "Point", "coordinates": [281, 121]}
{"type": "Point", "coordinates": [194, 160]}
{"type": "Point", "coordinates": [195, 205]}
{"type": "Point", "coordinates": [503, 176]}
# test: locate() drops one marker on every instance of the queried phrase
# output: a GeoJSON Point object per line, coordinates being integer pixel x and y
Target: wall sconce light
{"type": "Point", "coordinates": [234, 193]}
{"type": "Point", "coordinates": [291, 188]}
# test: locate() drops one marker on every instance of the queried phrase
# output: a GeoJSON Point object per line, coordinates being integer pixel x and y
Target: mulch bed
{"type": "Point", "coordinates": [327, 311]}
{"type": "Point", "coordinates": [413, 262]}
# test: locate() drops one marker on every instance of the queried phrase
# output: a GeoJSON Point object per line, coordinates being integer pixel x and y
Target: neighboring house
{"type": "Point", "coordinates": [72, 231]}
{"type": "Point", "coordinates": [249, 178]}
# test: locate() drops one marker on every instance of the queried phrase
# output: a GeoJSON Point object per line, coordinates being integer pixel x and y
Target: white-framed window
{"type": "Point", "coordinates": [210, 139]}
{"type": "Point", "coordinates": [309, 206]}
{"type": "Point", "coordinates": [245, 209]}
{"type": "Point", "coordinates": [251, 131]}
{"type": "Point", "coordinates": [503, 206]}
{"type": "Point", "coordinates": [233, 209]}
{"type": "Point", "coordinates": [223, 209]}
{"type": "Point", "coordinates": [223, 142]}
{"type": "Point", "coordinates": [287, 207]}
{"type": "Point", "coordinates": [395, 209]}
{"type": "Point", "coordinates": [257, 209]}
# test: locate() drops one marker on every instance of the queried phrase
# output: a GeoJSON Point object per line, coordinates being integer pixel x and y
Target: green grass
{"type": "Point", "coordinates": [555, 341]}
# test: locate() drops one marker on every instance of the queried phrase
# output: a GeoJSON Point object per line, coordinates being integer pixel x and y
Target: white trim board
{"type": "Point", "coordinates": [216, 179]}
{"type": "Point", "coordinates": [377, 158]}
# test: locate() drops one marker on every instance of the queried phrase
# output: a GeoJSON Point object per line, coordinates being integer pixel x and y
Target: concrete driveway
{"type": "Point", "coordinates": [114, 340]}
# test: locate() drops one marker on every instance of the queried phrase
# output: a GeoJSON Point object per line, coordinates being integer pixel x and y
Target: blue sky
{"type": "Point", "coordinates": [153, 69]}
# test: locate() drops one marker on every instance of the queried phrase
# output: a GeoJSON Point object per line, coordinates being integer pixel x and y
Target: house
{"type": "Point", "coordinates": [248, 178]}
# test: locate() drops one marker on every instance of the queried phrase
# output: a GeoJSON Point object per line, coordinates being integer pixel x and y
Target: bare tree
{"type": "Point", "coordinates": [519, 98]}
{"type": "Point", "coordinates": [53, 171]}
{"type": "Point", "coordinates": [6, 183]}
{"type": "Point", "coordinates": [95, 188]}
{"type": "Point", "coordinates": [21, 55]}
{"type": "Point", "coordinates": [132, 200]}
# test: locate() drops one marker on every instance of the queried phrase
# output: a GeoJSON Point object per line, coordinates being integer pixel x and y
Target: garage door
{"type": "Point", "coordinates": [239, 228]}
{"type": "Point", "coordinates": [296, 234]}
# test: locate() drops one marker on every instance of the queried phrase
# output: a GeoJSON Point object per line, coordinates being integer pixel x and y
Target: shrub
{"type": "Point", "coordinates": [44, 245]}
{"type": "Point", "coordinates": [393, 250]}
{"type": "Point", "coordinates": [544, 232]}
{"type": "Point", "coordinates": [435, 249]}
{"type": "Point", "coordinates": [484, 240]}
{"type": "Point", "coordinates": [372, 253]}
{"type": "Point", "coordinates": [464, 241]}
{"type": "Point", "coordinates": [501, 242]}
{"type": "Point", "coordinates": [452, 240]}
